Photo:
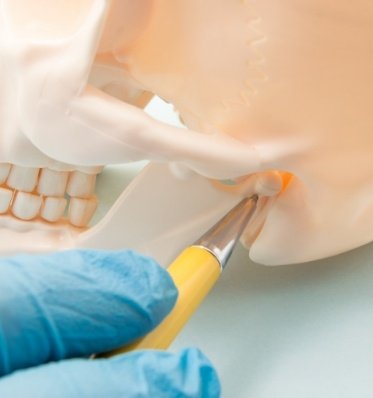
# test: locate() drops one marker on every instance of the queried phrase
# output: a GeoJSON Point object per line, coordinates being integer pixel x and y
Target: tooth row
{"type": "Point", "coordinates": [28, 193]}
{"type": "Point", "coordinates": [27, 206]}
{"type": "Point", "coordinates": [47, 182]}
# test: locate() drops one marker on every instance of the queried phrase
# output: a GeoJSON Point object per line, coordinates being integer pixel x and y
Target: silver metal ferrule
{"type": "Point", "coordinates": [221, 239]}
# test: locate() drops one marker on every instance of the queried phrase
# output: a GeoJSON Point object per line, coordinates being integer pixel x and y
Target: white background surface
{"type": "Point", "coordinates": [301, 331]}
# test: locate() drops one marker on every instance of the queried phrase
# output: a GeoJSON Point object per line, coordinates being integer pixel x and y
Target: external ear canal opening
{"type": "Point", "coordinates": [267, 183]}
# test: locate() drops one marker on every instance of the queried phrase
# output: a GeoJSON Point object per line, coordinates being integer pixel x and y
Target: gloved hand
{"type": "Point", "coordinates": [72, 304]}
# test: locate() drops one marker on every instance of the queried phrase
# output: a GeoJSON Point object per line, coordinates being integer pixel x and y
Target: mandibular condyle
{"type": "Point", "coordinates": [261, 86]}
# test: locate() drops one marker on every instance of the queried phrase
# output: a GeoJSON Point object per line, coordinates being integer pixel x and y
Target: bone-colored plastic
{"type": "Point", "coordinates": [52, 183]}
{"type": "Point", "coordinates": [26, 206]}
{"type": "Point", "coordinates": [81, 185]}
{"type": "Point", "coordinates": [6, 196]}
{"type": "Point", "coordinates": [81, 211]}
{"type": "Point", "coordinates": [4, 172]}
{"type": "Point", "coordinates": [273, 84]}
{"type": "Point", "coordinates": [53, 208]}
{"type": "Point", "coordinates": [23, 178]}
{"type": "Point", "coordinates": [179, 212]}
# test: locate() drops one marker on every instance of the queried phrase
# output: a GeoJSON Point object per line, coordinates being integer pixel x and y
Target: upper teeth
{"type": "Point", "coordinates": [4, 172]}
{"type": "Point", "coordinates": [81, 184]}
{"type": "Point", "coordinates": [22, 178]}
{"type": "Point", "coordinates": [31, 192]}
{"type": "Point", "coordinates": [52, 183]}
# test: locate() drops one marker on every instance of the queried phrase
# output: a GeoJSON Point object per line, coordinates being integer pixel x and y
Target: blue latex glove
{"type": "Point", "coordinates": [72, 304]}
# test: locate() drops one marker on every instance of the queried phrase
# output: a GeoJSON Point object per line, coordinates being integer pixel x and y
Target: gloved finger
{"type": "Point", "coordinates": [75, 303]}
{"type": "Point", "coordinates": [139, 374]}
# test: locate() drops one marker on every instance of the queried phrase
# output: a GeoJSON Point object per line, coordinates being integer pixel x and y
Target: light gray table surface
{"type": "Point", "coordinates": [300, 331]}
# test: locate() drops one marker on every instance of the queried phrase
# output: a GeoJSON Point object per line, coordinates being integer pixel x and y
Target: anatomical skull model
{"type": "Point", "coordinates": [261, 85]}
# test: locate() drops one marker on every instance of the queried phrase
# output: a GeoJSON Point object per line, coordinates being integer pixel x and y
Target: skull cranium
{"type": "Point", "coordinates": [274, 85]}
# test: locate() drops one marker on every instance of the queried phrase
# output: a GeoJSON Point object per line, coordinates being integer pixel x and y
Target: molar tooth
{"type": "Point", "coordinates": [4, 172]}
{"type": "Point", "coordinates": [52, 183]}
{"type": "Point", "coordinates": [5, 199]}
{"type": "Point", "coordinates": [26, 206]}
{"type": "Point", "coordinates": [81, 211]}
{"type": "Point", "coordinates": [81, 185]}
{"type": "Point", "coordinates": [53, 208]}
{"type": "Point", "coordinates": [23, 178]}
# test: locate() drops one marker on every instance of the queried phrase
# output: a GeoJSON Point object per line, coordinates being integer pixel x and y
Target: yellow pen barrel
{"type": "Point", "coordinates": [194, 272]}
